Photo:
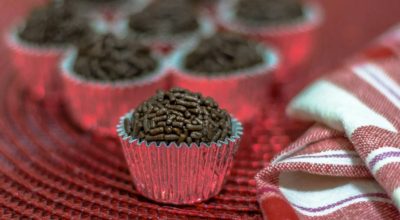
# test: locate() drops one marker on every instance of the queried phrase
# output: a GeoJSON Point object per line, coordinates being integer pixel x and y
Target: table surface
{"type": "Point", "coordinates": [50, 168]}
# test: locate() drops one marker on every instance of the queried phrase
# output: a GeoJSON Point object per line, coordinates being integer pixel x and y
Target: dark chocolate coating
{"type": "Point", "coordinates": [108, 58]}
{"type": "Point", "coordinates": [166, 17]}
{"type": "Point", "coordinates": [54, 24]}
{"type": "Point", "coordinates": [83, 5]}
{"type": "Point", "coordinates": [161, 119]}
{"type": "Point", "coordinates": [95, 1]}
{"type": "Point", "coordinates": [268, 11]}
{"type": "Point", "coordinates": [222, 53]}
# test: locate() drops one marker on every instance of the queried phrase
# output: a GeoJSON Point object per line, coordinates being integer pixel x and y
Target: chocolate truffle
{"type": "Point", "coordinates": [268, 11]}
{"type": "Point", "coordinates": [166, 17]}
{"type": "Point", "coordinates": [54, 24]}
{"type": "Point", "coordinates": [108, 58]}
{"type": "Point", "coordinates": [80, 2]}
{"type": "Point", "coordinates": [179, 116]}
{"type": "Point", "coordinates": [97, 1]}
{"type": "Point", "coordinates": [222, 53]}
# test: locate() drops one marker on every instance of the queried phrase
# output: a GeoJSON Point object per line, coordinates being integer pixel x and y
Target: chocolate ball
{"type": "Point", "coordinates": [223, 53]}
{"type": "Point", "coordinates": [268, 11]}
{"type": "Point", "coordinates": [108, 58]}
{"type": "Point", "coordinates": [179, 116]}
{"type": "Point", "coordinates": [167, 17]}
{"type": "Point", "coordinates": [54, 24]}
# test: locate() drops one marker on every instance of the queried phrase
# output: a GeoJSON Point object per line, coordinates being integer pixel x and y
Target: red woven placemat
{"type": "Point", "coordinates": [51, 169]}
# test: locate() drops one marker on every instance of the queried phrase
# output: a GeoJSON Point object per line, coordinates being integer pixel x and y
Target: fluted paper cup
{"type": "Point", "coordinates": [97, 106]}
{"type": "Point", "coordinates": [294, 40]}
{"type": "Point", "coordinates": [179, 174]}
{"type": "Point", "coordinates": [37, 66]}
{"type": "Point", "coordinates": [242, 92]}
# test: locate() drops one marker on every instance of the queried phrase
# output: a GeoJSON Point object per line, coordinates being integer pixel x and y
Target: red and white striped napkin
{"type": "Point", "coordinates": [347, 166]}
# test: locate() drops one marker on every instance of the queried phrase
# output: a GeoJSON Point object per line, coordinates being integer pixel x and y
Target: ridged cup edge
{"type": "Point", "coordinates": [313, 17]}
{"type": "Point", "coordinates": [67, 71]}
{"type": "Point", "coordinates": [237, 130]}
{"type": "Point", "coordinates": [270, 56]}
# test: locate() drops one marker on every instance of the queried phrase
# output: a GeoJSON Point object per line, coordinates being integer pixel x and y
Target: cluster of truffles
{"type": "Point", "coordinates": [165, 17]}
{"type": "Point", "coordinates": [54, 24]}
{"type": "Point", "coordinates": [179, 116]}
{"type": "Point", "coordinates": [268, 11]}
{"type": "Point", "coordinates": [221, 53]}
{"type": "Point", "coordinates": [108, 58]}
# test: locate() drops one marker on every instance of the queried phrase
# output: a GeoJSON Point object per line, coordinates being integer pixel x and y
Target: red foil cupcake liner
{"type": "Point", "coordinates": [242, 92]}
{"type": "Point", "coordinates": [179, 174]}
{"type": "Point", "coordinates": [97, 106]}
{"type": "Point", "coordinates": [37, 66]}
{"type": "Point", "coordinates": [295, 40]}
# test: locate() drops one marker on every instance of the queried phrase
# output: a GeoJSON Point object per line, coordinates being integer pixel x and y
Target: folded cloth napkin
{"type": "Point", "coordinates": [346, 166]}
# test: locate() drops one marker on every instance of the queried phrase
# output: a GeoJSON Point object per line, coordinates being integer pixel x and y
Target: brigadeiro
{"type": "Point", "coordinates": [266, 12]}
{"type": "Point", "coordinates": [233, 70]}
{"type": "Point", "coordinates": [106, 13]}
{"type": "Point", "coordinates": [179, 146]}
{"type": "Point", "coordinates": [105, 77]}
{"type": "Point", "coordinates": [104, 7]}
{"type": "Point", "coordinates": [39, 41]}
{"type": "Point", "coordinates": [166, 24]}
{"type": "Point", "coordinates": [291, 25]}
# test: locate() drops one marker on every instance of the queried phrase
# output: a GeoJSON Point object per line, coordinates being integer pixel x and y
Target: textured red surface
{"type": "Point", "coordinates": [49, 168]}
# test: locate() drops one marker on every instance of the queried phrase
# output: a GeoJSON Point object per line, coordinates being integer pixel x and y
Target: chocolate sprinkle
{"type": "Point", "coordinates": [55, 23]}
{"type": "Point", "coordinates": [210, 124]}
{"type": "Point", "coordinates": [222, 53]}
{"type": "Point", "coordinates": [166, 17]}
{"type": "Point", "coordinates": [268, 11]}
{"type": "Point", "coordinates": [108, 58]}
{"type": "Point", "coordinates": [95, 1]}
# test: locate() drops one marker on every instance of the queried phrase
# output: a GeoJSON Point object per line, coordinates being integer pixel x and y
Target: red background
{"type": "Point", "coordinates": [48, 166]}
